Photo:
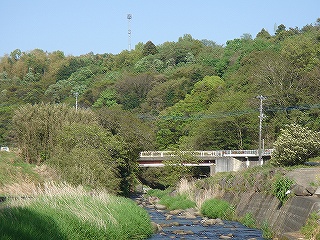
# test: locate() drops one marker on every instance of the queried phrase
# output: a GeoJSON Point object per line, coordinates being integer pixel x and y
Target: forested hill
{"type": "Point", "coordinates": [194, 93]}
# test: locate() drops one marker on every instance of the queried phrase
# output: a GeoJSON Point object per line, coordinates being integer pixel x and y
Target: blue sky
{"type": "Point", "coordinates": [100, 26]}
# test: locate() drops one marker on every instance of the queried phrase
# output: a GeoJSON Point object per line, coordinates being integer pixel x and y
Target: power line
{"type": "Point", "coordinates": [227, 114]}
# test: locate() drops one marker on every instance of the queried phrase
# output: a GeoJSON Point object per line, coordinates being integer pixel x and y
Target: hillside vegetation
{"type": "Point", "coordinates": [89, 116]}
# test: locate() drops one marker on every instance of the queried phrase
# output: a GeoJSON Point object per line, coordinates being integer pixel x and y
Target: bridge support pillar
{"type": "Point", "coordinates": [212, 169]}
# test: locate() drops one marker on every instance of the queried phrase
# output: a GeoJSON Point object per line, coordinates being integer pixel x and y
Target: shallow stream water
{"type": "Point", "coordinates": [230, 230]}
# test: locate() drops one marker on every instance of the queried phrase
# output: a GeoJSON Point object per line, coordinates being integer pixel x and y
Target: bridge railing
{"type": "Point", "coordinates": [217, 153]}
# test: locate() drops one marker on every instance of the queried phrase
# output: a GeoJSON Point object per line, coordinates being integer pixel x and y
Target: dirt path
{"type": "Point", "coordinates": [306, 176]}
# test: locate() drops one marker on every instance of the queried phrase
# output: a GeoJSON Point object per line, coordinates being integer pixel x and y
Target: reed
{"type": "Point", "coordinates": [189, 188]}
{"type": "Point", "coordinates": [206, 194]}
{"type": "Point", "coordinates": [60, 211]}
{"type": "Point", "coordinates": [186, 187]}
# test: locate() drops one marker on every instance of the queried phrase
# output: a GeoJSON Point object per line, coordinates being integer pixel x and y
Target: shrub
{"type": "Point", "coordinates": [295, 145]}
{"type": "Point", "coordinates": [217, 208]}
{"type": "Point", "coordinates": [280, 187]}
{"type": "Point", "coordinates": [35, 128]}
{"type": "Point", "coordinates": [88, 155]}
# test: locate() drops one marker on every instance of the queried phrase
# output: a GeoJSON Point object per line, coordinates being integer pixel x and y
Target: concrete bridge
{"type": "Point", "coordinates": [218, 161]}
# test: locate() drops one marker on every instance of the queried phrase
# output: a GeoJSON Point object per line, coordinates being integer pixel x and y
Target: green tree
{"type": "Point", "coordinates": [281, 28]}
{"type": "Point", "coordinates": [88, 155]}
{"type": "Point", "coordinates": [133, 89]}
{"type": "Point", "coordinates": [149, 63]}
{"type": "Point", "coordinates": [210, 56]}
{"type": "Point", "coordinates": [221, 132]}
{"type": "Point", "coordinates": [166, 94]}
{"type": "Point", "coordinates": [280, 78]}
{"type": "Point", "coordinates": [174, 121]}
{"type": "Point", "coordinates": [263, 34]}
{"type": "Point", "coordinates": [37, 60]}
{"type": "Point", "coordinates": [107, 98]}
{"type": "Point", "coordinates": [69, 66]}
{"type": "Point", "coordinates": [295, 145]}
{"type": "Point", "coordinates": [173, 53]}
{"type": "Point", "coordinates": [149, 48]}
{"type": "Point", "coordinates": [178, 167]}
{"type": "Point", "coordinates": [58, 92]}
{"type": "Point", "coordinates": [302, 51]}
{"type": "Point", "coordinates": [135, 135]}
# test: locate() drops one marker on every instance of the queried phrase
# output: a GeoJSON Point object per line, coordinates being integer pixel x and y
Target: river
{"type": "Point", "coordinates": [183, 228]}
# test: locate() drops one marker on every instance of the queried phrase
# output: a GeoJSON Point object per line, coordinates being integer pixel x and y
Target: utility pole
{"type": "Point", "coordinates": [76, 94]}
{"type": "Point", "coordinates": [261, 116]}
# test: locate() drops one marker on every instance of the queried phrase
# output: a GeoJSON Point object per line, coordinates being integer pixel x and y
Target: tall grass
{"type": "Point", "coordinates": [177, 201]}
{"type": "Point", "coordinates": [311, 229]}
{"type": "Point", "coordinates": [218, 208]}
{"type": "Point", "coordinates": [13, 170]}
{"type": "Point", "coordinates": [199, 196]}
{"type": "Point", "coordinates": [64, 212]}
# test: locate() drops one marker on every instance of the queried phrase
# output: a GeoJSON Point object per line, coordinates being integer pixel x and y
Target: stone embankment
{"type": "Point", "coordinates": [288, 219]}
{"type": "Point", "coordinates": [284, 220]}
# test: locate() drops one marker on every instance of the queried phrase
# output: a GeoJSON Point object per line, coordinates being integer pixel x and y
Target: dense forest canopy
{"type": "Point", "coordinates": [188, 94]}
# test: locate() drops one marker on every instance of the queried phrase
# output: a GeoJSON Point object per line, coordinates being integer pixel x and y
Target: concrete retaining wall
{"type": "Point", "coordinates": [287, 218]}
{"type": "Point", "coordinates": [227, 164]}
{"type": "Point", "coordinates": [232, 164]}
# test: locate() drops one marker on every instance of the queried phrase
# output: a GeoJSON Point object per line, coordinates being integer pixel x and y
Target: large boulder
{"type": "Point", "coordinates": [300, 190]}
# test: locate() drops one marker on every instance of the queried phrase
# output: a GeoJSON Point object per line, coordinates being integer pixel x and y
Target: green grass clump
{"type": "Point", "coordinates": [13, 169]}
{"type": "Point", "coordinates": [159, 193]}
{"type": "Point", "coordinates": [177, 202]}
{"type": "Point", "coordinates": [217, 208]}
{"type": "Point", "coordinates": [315, 159]}
{"type": "Point", "coordinates": [74, 215]}
{"type": "Point", "coordinates": [280, 187]}
{"type": "Point", "coordinates": [248, 220]}
{"type": "Point", "coordinates": [311, 229]}
{"type": "Point", "coordinates": [267, 233]}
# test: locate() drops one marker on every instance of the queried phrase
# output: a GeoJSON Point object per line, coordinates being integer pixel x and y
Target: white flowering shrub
{"type": "Point", "coordinates": [295, 145]}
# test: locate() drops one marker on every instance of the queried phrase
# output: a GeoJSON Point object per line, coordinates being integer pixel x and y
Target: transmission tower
{"type": "Point", "coordinates": [129, 17]}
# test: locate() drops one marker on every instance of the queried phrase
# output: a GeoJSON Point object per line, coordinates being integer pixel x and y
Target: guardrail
{"type": "Point", "coordinates": [217, 153]}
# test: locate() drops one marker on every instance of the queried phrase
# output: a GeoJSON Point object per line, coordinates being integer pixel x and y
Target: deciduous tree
{"type": "Point", "coordinates": [149, 48]}
{"type": "Point", "coordinates": [295, 145]}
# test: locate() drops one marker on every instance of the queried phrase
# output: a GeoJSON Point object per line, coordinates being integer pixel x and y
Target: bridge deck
{"type": "Point", "coordinates": [159, 155]}
{"type": "Point", "coordinates": [221, 160]}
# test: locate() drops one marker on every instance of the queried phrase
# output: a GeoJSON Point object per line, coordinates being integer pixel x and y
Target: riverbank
{"type": "Point", "coordinates": [252, 193]}
{"type": "Point", "coordinates": [60, 211]}
{"type": "Point", "coordinates": [286, 219]}
{"type": "Point", "coordinates": [189, 224]}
